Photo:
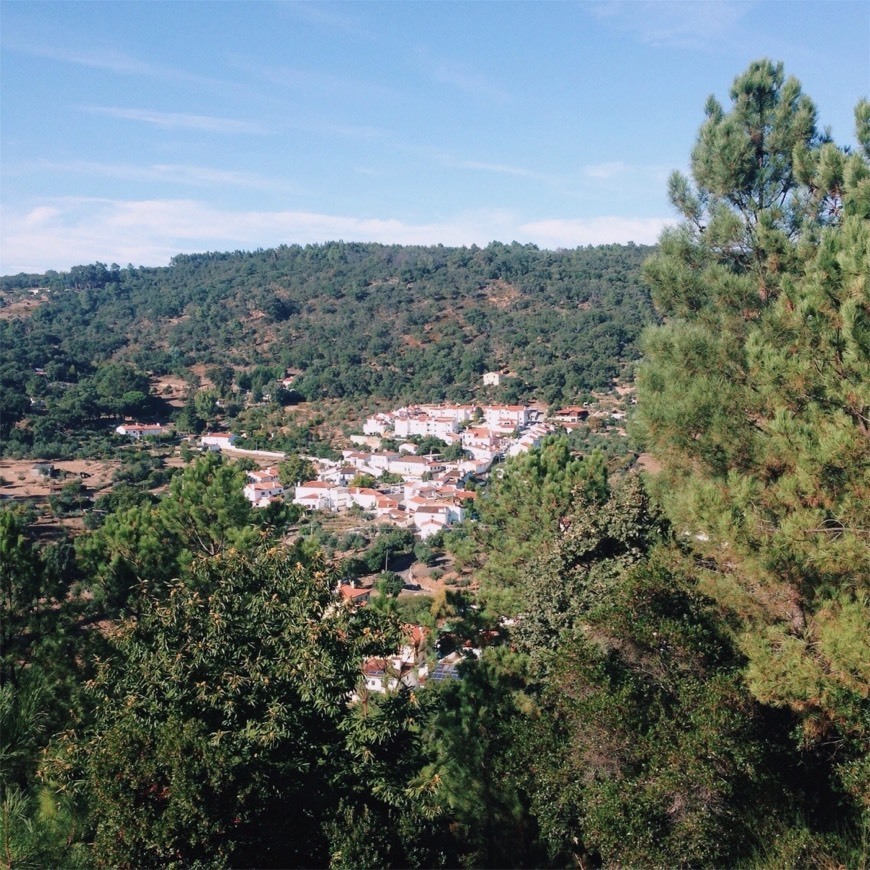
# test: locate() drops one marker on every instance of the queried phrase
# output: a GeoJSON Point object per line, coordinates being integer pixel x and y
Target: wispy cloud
{"type": "Point", "coordinates": [314, 81]}
{"type": "Point", "coordinates": [462, 77]}
{"type": "Point", "coordinates": [619, 174]}
{"type": "Point", "coordinates": [65, 232]}
{"type": "Point", "coordinates": [178, 120]}
{"type": "Point", "coordinates": [673, 23]}
{"type": "Point", "coordinates": [569, 233]}
{"type": "Point", "coordinates": [111, 60]}
{"type": "Point", "coordinates": [325, 16]}
{"type": "Point", "coordinates": [606, 171]}
{"type": "Point", "coordinates": [169, 173]}
{"type": "Point", "coordinates": [499, 168]}
{"type": "Point", "coordinates": [445, 157]}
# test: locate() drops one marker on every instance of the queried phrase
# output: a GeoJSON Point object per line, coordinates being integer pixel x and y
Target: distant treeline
{"type": "Point", "coordinates": [389, 321]}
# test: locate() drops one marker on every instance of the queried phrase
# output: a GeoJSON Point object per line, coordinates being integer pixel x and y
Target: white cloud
{"type": "Point", "coordinates": [571, 233]}
{"type": "Point", "coordinates": [178, 120]}
{"type": "Point", "coordinates": [314, 81]}
{"type": "Point", "coordinates": [109, 59]}
{"type": "Point", "coordinates": [606, 171]}
{"type": "Point", "coordinates": [71, 231]}
{"type": "Point", "coordinates": [499, 168]}
{"type": "Point", "coordinates": [324, 16]}
{"type": "Point", "coordinates": [41, 215]}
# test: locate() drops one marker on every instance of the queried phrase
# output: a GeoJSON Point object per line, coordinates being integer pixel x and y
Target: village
{"type": "Point", "coordinates": [425, 494]}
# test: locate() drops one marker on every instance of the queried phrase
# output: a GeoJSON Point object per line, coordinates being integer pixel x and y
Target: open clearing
{"type": "Point", "coordinates": [20, 481]}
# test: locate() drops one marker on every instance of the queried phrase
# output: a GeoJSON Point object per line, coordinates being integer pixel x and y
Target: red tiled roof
{"type": "Point", "coordinates": [416, 634]}
{"type": "Point", "coordinates": [352, 594]}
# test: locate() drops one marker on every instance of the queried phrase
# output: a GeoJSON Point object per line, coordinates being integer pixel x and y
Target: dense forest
{"type": "Point", "coordinates": [352, 320]}
{"type": "Point", "coordinates": [675, 667]}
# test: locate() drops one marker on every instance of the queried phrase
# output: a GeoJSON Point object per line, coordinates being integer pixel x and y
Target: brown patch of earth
{"type": "Point", "coordinates": [20, 481]}
{"type": "Point", "coordinates": [170, 388]}
{"type": "Point", "coordinates": [21, 307]}
{"type": "Point", "coordinates": [501, 294]}
{"type": "Point", "coordinates": [649, 463]}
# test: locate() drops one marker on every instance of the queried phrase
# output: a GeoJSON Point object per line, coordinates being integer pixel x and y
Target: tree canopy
{"type": "Point", "coordinates": [755, 395]}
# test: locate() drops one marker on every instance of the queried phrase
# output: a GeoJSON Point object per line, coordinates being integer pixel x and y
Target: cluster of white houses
{"type": "Point", "coordinates": [426, 507]}
{"type": "Point", "coordinates": [484, 432]}
{"type": "Point", "coordinates": [430, 495]}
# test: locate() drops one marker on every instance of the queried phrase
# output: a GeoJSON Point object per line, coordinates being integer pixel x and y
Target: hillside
{"type": "Point", "coordinates": [352, 320]}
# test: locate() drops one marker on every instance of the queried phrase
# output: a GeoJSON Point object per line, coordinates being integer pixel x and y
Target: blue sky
{"type": "Point", "coordinates": [132, 131]}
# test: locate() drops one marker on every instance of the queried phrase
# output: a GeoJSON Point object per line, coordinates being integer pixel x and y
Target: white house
{"type": "Point", "coordinates": [385, 675]}
{"type": "Point", "coordinates": [354, 595]}
{"type": "Point", "coordinates": [314, 495]}
{"type": "Point", "coordinates": [217, 440]}
{"type": "Point", "coordinates": [429, 527]}
{"type": "Point", "coordinates": [260, 494]}
{"type": "Point", "coordinates": [385, 505]}
{"type": "Point", "coordinates": [531, 439]}
{"type": "Point", "coordinates": [408, 466]}
{"type": "Point", "coordinates": [264, 475]}
{"type": "Point", "coordinates": [379, 424]}
{"type": "Point", "coordinates": [423, 425]}
{"type": "Point", "coordinates": [491, 379]}
{"type": "Point", "coordinates": [366, 498]}
{"type": "Point", "coordinates": [506, 418]}
{"type": "Point", "coordinates": [139, 430]}
{"type": "Point", "coordinates": [459, 413]}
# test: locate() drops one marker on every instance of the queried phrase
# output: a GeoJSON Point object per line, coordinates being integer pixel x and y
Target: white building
{"type": "Point", "coordinates": [217, 440]}
{"type": "Point", "coordinates": [379, 424]}
{"type": "Point", "coordinates": [506, 418]}
{"type": "Point", "coordinates": [261, 494]}
{"type": "Point", "coordinates": [139, 430]}
{"type": "Point", "coordinates": [314, 495]}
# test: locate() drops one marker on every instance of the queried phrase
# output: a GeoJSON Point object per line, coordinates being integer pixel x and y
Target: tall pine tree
{"type": "Point", "coordinates": [755, 395]}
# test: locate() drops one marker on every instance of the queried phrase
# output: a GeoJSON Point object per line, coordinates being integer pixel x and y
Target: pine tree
{"type": "Point", "coordinates": [755, 394]}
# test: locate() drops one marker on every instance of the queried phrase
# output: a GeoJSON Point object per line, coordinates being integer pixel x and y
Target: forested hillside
{"type": "Point", "coordinates": [354, 320]}
{"type": "Point", "coordinates": [668, 669]}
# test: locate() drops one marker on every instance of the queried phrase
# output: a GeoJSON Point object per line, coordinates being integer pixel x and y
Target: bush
{"type": "Point", "coordinates": [390, 583]}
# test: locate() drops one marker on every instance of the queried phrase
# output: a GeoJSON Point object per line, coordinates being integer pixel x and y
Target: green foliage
{"type": "Point", "coordinates": [755, 396]}
{"type": "Point", "coordinates": [367, 481]}
{"type": "Point", "coordinates": [424, 553]}
{"type": "Point", "coordinates": [521, 510]}
{"type": "Point", "coordinates": [389, 544]}
{"type": "Point", "coordinates": [585, 564]}
{"type": "Point", "coordinates": [204, 514]}
{"type": "Point", "coordinates": [294, 470]}
{"type": "Point", "coordinates": [477, 718]}
{"type": "Point", "coordinates": [350, 317]}
{"type": "Point", "coordinates": [225, 703]}
{"type": "Point", "coordinates": [20, 584]}
{"type": "Point", "coordinates": [390, 583]}
{"type": "Point", "coordinates": [40, 830]}
{"type": "Point", "coordinates": [416, 609]}
{"type": "Point", "coordinates": [433, 444]}
{"type": "Point", "coordinates": [651, 751]}
{"type": "Point", "coordinates": [71, 499]}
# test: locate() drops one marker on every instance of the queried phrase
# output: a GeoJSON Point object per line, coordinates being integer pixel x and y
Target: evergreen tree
{"type": "Point", "coordinates": [521, 510]}
{"type": "Point", "coordinates": [755, 395]}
